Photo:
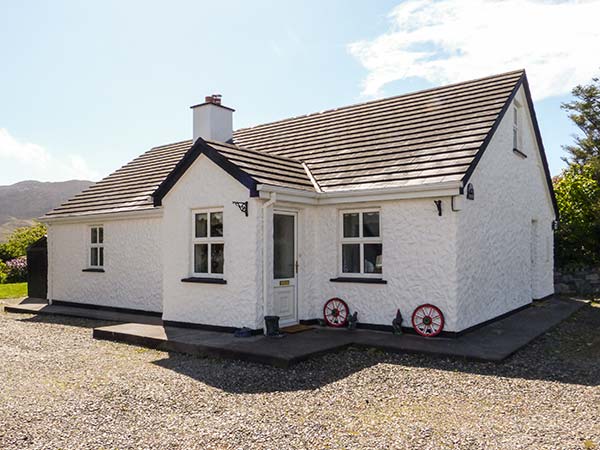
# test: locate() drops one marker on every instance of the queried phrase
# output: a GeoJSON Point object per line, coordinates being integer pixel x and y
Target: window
{"type": "Point", "coordinates": [361, 244]}
{"type": "Point", "coordinates": [96, 259]}
{"type": "Point", "coordinates": [208, 246]}
{"type": "Point", "coordinates": [516, 127]}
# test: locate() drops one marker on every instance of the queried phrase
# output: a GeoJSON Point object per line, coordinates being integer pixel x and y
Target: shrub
{"type": "Point", "coordinates": [3, 272]}
{"type": "Point", "coordinates": [578, 236]}
{"type": "Point", "coordinates": [16, 270]}
{"type": "Point", "coordinates": [19, 240]}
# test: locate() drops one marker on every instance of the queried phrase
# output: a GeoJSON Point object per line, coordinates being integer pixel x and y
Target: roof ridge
{"type": "Point", "coordinates": [406, 94]}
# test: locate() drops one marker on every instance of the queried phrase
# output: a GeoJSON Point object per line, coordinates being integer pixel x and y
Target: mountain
{"type": "Point", "coordinates": [22, 202]}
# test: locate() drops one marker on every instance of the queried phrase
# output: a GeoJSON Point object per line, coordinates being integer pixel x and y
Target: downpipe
{"type": "Point", "coordinates": [266, 206]}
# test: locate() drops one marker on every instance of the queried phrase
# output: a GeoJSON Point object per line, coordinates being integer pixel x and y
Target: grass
{"type": "Point", "coordinates": [13, 290]}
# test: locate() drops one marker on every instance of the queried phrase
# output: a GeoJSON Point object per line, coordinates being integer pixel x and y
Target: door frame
{"type": "Point", "coordinates": [293, 213]}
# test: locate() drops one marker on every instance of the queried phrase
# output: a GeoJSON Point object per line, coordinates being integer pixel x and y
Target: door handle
{"type": "Point", "coordinates": [297, 266]}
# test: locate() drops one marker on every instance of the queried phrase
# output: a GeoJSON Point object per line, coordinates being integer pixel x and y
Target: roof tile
{"type": "Point", "coordinates": [425, 137]}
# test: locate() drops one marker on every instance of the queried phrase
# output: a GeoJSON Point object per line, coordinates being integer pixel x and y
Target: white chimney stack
{"type": "Point", "coordinates": [213, 121]}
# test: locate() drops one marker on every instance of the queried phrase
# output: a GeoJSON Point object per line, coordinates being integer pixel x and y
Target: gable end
{"type": "Point", "coordinates": [538, 137]}
{"type": "Point", "coordinates": [200, 147]}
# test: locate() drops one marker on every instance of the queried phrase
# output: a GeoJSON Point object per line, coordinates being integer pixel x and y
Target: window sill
{"type": "Point", "coordinates": [518, 152]}
{"type": "Point", "coordinates": [358, 280]}
{"type": "Point", "coordinates": [93, 269]}
{"type": "Point", "coordinates": [206, 280]}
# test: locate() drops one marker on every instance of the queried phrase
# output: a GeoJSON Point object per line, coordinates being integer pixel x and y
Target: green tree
{"type": "Point", "coordinates": [584, 111]}
{"type": "Point", "coordinates": [19, 240]}
{"type": "Point", "coordinates": [578, 197]}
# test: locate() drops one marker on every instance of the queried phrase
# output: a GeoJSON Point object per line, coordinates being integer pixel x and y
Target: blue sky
{"type": "Point", "coordinates": [86, 87]}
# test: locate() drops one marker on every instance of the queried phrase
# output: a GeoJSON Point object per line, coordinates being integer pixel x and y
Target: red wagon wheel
{"type": "Point", "coordinates": [428, 320]}
{"type": "Point", "coordinates": [336, 312]}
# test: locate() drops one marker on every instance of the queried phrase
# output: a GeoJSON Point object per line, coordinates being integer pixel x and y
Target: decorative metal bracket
{"type": "Point", "coordinates": [438, 204]}
{"type": "Point", "coordinates": [243, 207]}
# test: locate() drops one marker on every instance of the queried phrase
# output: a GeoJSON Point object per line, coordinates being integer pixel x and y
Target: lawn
{"type": "Point", "coordinates": [13, 290]}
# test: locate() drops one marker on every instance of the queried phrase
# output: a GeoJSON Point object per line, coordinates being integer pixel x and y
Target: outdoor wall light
{"type": "Point", "coordinates": [470, 192]}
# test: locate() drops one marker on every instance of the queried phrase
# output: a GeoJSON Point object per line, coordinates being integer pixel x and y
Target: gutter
{"type": "Point", "coordinates": [115, 215]}
{"type": "Point", "coordinates": [266, 206]}
{"type": "Point", "coordinates": [443, 189]}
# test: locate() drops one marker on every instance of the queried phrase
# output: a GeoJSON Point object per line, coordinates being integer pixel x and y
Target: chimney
{"type": "Point", "coordinates": [212, 121]}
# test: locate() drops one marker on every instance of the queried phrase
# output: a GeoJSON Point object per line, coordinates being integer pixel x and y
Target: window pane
{"type": "Point", "coordinates": [515, 139]}
{"type": "Point", "coordinates": [371, 224]}
{"type": "Point", "coordinates": [201, 258]}
{"type": "Point", "coordinates": [101, 235]}
{"type": "Point", "coordinates": [94, 235]}
{"type": "Point", "coordinates": [216, 224]}
{"type": "Point", "coordinates": [351, 258]}
{"type": "Point", "coordinates": [201, 225]}
{"type": "Point", "coordinates": [351, 225]}
{"type": "Point", "coordinates": [101, 256]}
{"type": "Point", "coordinates": [373, 256]}
{"type": "Point", "coordinates": [283, 246]}
{"type": "Point", "coordinates": [94, 256]}
{"type": "Point", "coordinates": [216, 258]}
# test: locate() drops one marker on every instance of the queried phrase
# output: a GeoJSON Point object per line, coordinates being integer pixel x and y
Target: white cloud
{"type": "Point", "coordinates": [24, 160]}
{"type": "Point", "coordinates": [455, 40]}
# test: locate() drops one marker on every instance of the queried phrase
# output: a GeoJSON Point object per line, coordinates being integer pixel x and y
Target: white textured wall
{"type": "Point", "coordinates": [494, 274]}
{"type": "Point", "coordinates": [132, 264]}
{"type": "Point", "coordinates": [418, 262]}
{"type": "Point", "coordinates": [234, 304]}
{"type": "Point", "coordinates": [473, 264]}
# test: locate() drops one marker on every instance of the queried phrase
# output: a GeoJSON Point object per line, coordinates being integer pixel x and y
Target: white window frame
{"type": "Point", "coordinates": [358, 240]}
{"type": "Point", "coordinates": [206, 240]}
{"type": "Point", "coordinates": [516, 127]}
{"type": "Point", "coordinates": [99, 245]}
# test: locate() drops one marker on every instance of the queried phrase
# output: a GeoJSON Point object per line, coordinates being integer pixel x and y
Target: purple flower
{"type": "Point", "coordinates": [17, 269]}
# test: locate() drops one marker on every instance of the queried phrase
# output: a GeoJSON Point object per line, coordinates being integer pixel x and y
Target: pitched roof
{"type": "Point", "coordinates": [430, 136]}
{"type": "Point", "coordinates": [425, 137]}
{"type": "Point", "coordinates": [131, 187]}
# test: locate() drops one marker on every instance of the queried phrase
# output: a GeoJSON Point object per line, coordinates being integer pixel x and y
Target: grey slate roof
{"type": "Point", "coordinates": [425, 137]}
{"type": "Point", "coordinates": [430, 136]}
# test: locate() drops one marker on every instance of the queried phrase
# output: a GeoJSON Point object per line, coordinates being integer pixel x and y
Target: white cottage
{"type": "Point", "coordinates": [439, 197]}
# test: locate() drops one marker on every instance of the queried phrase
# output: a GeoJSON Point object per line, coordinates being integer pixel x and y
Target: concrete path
{"type": "Point", "coordinates": [40, 306]}
{"type": "Point", "coordinates": [493, 342]}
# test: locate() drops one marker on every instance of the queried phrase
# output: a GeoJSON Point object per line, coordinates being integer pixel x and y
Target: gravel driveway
{"type": "Point", "coordinates": [59, 388]}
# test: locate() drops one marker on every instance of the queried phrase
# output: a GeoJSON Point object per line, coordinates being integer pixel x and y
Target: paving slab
{"type": "Point", "coordinates": [493, 342]}
{"type": "Point", "coordinates": [40, 306]}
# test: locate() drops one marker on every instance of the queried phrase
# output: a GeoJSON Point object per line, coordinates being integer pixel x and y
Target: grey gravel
{"type": "Point", "coordinates": [59, 388]}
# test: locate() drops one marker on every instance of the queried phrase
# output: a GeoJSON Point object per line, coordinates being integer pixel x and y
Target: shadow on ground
{"type": "Point", "coordinates": [568, 353]}
{"type": "Point", "coordinates": [68, 321]}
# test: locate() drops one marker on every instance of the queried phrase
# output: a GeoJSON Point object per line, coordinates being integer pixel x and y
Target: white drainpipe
{"type": "Point", "coordinates": [266, 206]}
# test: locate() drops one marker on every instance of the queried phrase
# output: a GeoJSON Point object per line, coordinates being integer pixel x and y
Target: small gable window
{"type": "Point", "coordinates": [361, 243]}
{"type": "Point", "coordinates": [208, 245]}
{"type": "Point", "coordinates": [96, 256]}
{"type": "Point", "coordinates": [516, 131]}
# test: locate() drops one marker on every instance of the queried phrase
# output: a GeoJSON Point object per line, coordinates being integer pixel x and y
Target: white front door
{"type": "Point", "coordinates": [285, 257]}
